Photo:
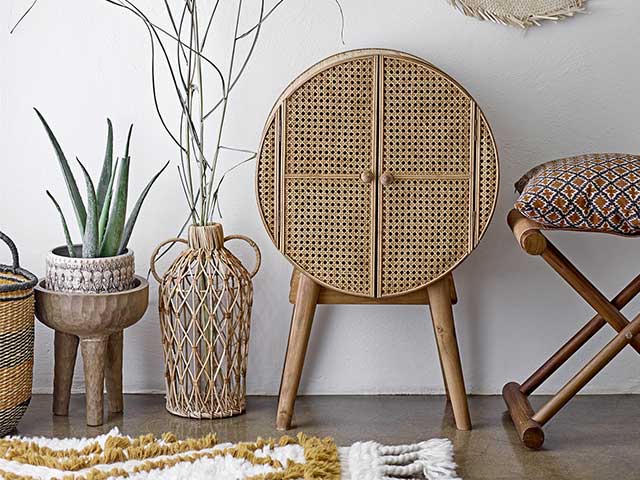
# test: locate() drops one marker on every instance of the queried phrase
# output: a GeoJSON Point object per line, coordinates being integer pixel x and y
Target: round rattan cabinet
{"type": "Point", "coordinates": [377, 173]}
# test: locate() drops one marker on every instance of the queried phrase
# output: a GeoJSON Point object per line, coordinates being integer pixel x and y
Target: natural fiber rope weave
{"type": "Point", "coordinates": [520, 13]}
{"type": "Point", "coordinates": [16, 340]}
{"type": "Point", "coordinates": [205, 300]}
{"type": "Point", "coordinates": [335, 133]}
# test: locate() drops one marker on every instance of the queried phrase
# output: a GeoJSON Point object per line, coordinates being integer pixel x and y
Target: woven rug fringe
{"type": "Point", "coordinates": [432, 460]}
{"type": "Point", "coordinates": [511, 20]}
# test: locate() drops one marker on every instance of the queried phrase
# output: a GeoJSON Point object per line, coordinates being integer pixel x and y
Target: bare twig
{"type": "Point", "coordinates": [22, 17]}
{"type": "Point", "coordinates": [216, 192]}
{"type": "Point", "coordinates": [262, 19]}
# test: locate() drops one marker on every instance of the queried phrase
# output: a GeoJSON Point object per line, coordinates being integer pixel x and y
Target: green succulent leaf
{"type": "Point", "coordinates": [107, 168]}
{"type": "Point", "coordinates": [128, 229]}
{"type": "Point", "coordinates": [126, 150]}
{"type": "Point", "coordinates": [115, 224]}
{"type": "Point", "coordinates": [106, 205]}
{"type": "Point", "coordinates": [67, 236]}
{"type": "Point", "coordinates": [90, 239]}
{"type": "Point", "coordinates": [72, 187]}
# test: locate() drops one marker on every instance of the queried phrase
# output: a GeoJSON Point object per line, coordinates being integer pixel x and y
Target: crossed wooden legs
{"type": "Point", "coordinates": [306, 294]}
{"type": "Point", "coordinates": [527, 422]}
{"type": "Point", "coordinates": [102, 359]}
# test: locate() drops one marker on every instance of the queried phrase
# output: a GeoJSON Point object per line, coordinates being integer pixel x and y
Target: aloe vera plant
{"type": "Point", "coordinates": [101, 220]}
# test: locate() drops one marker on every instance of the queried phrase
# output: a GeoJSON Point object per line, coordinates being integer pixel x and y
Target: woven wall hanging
{"type": "Point", "coordinates": [519, 13]}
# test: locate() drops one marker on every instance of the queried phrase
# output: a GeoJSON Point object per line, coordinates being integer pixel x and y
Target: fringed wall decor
{"type": "Point", "coordinates": [519, 13]}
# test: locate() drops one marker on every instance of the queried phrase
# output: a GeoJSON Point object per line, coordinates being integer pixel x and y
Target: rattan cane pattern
{"type": "Point", "coordinates": [488, 182]}
{"type": "Point", "coordinates": [330, 138]}
{"type": "Point", "coordinates": [267, 172]}
{"type": "Point", "coordinates": [431, 244]}
{"type": "Point", "coordinates": [329, 231]}
{"type": "Point", "coordinates": [329, 121]}
{"type": "Point", "coordinates": [426, 121]}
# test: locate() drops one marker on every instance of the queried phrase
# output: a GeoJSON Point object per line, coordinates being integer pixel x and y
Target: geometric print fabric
{"type": "Point", "coordinates": [598, 192]}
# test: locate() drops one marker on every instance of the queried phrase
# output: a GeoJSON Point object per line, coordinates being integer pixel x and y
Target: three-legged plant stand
{"type": "Point", "coordinates": [95, 322]}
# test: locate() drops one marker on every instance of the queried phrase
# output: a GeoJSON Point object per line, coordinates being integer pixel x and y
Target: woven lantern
{"type": "Point", "coordinates": [205, 300]}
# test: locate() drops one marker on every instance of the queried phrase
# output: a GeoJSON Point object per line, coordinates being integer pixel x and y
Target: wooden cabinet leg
{"type": "Point", "coordinates": [65, 351]}
{"type": "Point", "coordinates": [442, 317]}
{"type": "Point", "coordinates": [94, 351]}
{"type": "Point", "coordinates": [301, 322]}
{"type": "Point", "coordinates": [113, 372]}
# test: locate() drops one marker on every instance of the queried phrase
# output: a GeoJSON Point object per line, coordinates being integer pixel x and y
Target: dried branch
{"type": "Point", "coordinates": [22, 17]}
{"type": "Point", "coordinates": [189, 79]}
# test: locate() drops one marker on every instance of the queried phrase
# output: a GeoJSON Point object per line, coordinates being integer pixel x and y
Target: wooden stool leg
{"type": "Point", "coordinates": [94, 351]}
{"type": "Point", "coordinates": [113, 372]}
{"type": "Point", "coordinates": [628, 335]}
{"type": "Point", "coordinates": [529, 431]}
{"type": "Point", "coordinates": [442, 317]}
{"type": "Point", "coordinates": [301, 322]}
{"type": "Point", "coordinates": [65, 351]}
{"type": "Point", "coordinates": [627, 294]}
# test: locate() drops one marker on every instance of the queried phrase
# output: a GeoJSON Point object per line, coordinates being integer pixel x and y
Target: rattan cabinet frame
{"type": "Point", "coordinates": [377, 176]}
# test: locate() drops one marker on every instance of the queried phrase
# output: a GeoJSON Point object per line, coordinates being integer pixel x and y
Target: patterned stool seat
{"type": "Point", "coordinates": [598, 192]}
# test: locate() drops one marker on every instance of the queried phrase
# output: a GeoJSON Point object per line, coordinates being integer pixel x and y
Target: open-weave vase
{"type": "Point", "coordinates": [205, 300]}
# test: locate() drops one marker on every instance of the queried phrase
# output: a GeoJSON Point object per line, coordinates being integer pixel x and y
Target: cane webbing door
{"type": "Point", "coordinates": [377, 173]}
{"type": "Point", "coordinates": [428, 212]}
{"type": "Point", "coordinates": [321, 139]}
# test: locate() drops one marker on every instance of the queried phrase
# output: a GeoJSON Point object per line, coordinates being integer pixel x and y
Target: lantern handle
{"type": "Point", "coordinates": [155, 254]}
{"type": "Point", "coordinates": [253, 245]}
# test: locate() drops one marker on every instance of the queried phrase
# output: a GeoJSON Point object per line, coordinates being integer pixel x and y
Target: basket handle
{"type": "Point", "coordinates": [253, 245]}
{"type": "Point", "coordinates": [14, 250]}
{"type": "Point", "coordinates": [152, 265]}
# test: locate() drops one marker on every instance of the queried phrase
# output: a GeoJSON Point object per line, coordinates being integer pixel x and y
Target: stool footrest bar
{"type": "Point", "coordinates": [529, 431]}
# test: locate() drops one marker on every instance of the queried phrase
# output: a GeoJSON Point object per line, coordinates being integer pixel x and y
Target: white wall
{"type": "Point", "coordinates": [550, 92]}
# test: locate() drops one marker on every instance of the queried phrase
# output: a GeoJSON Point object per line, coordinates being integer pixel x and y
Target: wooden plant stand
{"type": "Point", "coordinates": [527, 422]}
{"type": "Point", "coordinates": [377, 176]}
{"type": "Point", "coordinates": [95, 322]}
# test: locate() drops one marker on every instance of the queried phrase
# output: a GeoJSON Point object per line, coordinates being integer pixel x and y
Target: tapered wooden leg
{"type": "Point", "coordinates": [94, 352]}
{"type": "Point", "coordinates": [113, 372]}
{"type": "Point", "coordinates": [301, 322]}
{"type": "Point", "coordinates": [65, 351]}
{"type": "Point", "coordinates": [444, 377]}
{"type": "Point", "coordinates": [442, 317]}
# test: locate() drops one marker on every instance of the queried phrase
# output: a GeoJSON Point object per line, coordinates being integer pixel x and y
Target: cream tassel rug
{"type": "Point", "coordinates": [115, 456]}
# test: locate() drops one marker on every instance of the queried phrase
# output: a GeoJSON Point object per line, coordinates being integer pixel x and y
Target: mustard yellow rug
{"type": "Point", "coordinates": [117, 456]}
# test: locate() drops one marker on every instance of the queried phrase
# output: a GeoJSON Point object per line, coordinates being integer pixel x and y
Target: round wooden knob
{"type": "Point", "coordinates": [367, 176]}
{"type": "Point", "coordinates": [387, 179]}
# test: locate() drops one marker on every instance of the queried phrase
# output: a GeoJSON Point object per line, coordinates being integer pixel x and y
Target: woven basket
{"type": "Point", "coordinates": [16, 340]}
{"type": "Point", "coordinates": [205, 300]}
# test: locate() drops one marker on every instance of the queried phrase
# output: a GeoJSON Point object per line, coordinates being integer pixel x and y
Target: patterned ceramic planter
{"type": "Point", "coordinates": [89, 275]}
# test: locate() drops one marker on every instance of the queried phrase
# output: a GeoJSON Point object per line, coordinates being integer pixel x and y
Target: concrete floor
{"type": "Point", "coordinates": [595, 437]}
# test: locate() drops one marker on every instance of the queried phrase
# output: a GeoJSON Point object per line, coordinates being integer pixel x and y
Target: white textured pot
{"type": "Point", "coordinates": [89, 275]}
